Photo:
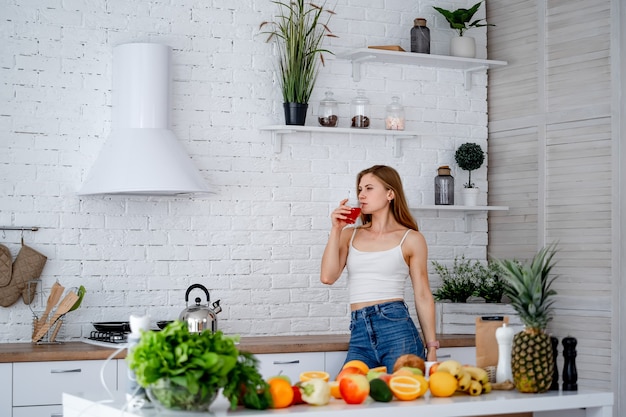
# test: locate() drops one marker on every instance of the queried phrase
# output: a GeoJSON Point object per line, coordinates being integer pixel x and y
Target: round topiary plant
{"type": "Point", "coordinates": [469, 157]}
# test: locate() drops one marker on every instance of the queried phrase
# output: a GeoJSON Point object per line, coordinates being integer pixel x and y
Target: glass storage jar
{"type": "Point", "coordinates": [395, 115]}
{"type": "Point", "coordinates": [444, 187]}
{"type": "Point", "coordinates": [328, 111]}
{"type": "Point", "coordinates": [420, 36]}
{"type": "Point", "coordinates": [360, 111]}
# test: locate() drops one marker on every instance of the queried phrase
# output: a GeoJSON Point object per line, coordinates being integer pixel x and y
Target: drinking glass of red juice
{"type": "Point", "coordinates": [355, 211]}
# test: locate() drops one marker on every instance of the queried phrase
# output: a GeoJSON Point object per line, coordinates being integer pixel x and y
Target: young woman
{"type": "Point", "coordinates": [379, 256]}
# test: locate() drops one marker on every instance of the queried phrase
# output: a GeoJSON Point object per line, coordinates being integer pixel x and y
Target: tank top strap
{"type": "Point", "coordinates": [353, 234]}
{"type": "Point", "coordinates": [404, 237]}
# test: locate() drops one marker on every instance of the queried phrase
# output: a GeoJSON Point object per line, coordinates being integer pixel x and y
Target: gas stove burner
{"type": "Point", "coordinates": [109, 337]}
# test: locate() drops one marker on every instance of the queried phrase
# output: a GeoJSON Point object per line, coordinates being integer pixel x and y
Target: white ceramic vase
{"type": "Point", "coordinates": [463, 46]}
{"type": "Point", "coordinates": [470, 196]}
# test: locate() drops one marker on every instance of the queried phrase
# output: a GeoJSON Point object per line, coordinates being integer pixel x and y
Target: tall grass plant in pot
{"type": "Point", "coordinates": [461, 20]}
{"type": "Point", "coordinates": [299, 30]}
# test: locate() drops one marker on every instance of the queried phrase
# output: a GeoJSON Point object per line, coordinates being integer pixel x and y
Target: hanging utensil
{"type": "Point", "coordinates": [64, 306]}
{"type": "Point", "coordinates": [55, 332]}
{"type": "Point", "coordinates": [55, 295]}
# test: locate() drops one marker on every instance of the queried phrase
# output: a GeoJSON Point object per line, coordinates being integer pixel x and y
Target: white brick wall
{"type": "Point", "coordinates": [255, 244]}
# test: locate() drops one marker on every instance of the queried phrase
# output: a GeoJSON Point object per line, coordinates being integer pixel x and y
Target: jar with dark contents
{"type": "Point", "coordinates": [360, 111]}
{"type": "Point", "coordinates": [328, 110]}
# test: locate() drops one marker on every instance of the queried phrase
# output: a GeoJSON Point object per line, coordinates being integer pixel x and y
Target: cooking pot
{"type": "Point", "coordinates": [200, 317]}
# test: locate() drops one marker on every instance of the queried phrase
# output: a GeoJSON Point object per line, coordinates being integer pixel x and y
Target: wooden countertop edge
{"type": "Point", "coordinates": [77, 350]}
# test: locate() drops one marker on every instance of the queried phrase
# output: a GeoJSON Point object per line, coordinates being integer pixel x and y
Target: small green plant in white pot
{"type": "Point", "coordinates": [469, 157]}
{"type": "Point", "coordinates": [461, 20]}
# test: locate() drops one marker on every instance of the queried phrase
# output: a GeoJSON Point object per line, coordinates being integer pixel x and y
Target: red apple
{"type": "Point", "coordinates": [354, 388]}
{"type": "Point", "coordinates": [433, 368]}
{"type": "Point", "coordinates": [385, 377]}
{"type": "Point", "coordinates": [350, 370]}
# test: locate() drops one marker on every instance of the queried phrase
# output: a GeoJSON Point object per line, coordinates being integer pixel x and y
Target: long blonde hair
{"type": "Point", "coordinates": [392, 181]}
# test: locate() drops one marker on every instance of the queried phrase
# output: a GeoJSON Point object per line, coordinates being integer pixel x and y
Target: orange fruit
{"type": "Point", "coordinates": [442, 384]}
{"type": "Point", "coordinates": [407, 388]}
{"type": "Point", "coordinates": [334, 389]}
{"type": "Point", "coordinates": [308, 375]}
{"type": "Point", "coordinates": [358, 364]}
{"type": "Point", "coordinates": [424, 384]}
{"type": "Point", "coordinates": [281, 392]}
{"type": "Point", "coordinates": [382, 369]}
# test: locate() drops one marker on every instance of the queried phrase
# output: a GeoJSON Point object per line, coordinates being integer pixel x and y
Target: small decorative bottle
{"type": "Point", "coordinates": [327, 115]}
{"type": "Point", "coordinates": [395, 115]}
{"type": "Point", "coordinates": [360, 110]}
{"type": "Point", "coordinates": [504, 336]}
{"type": "Point", "coordinates": [444, 187]}
{"type": "Point", "coordinates": [420, 36]}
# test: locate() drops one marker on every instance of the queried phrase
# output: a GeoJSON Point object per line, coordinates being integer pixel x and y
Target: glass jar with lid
{"type": "Point", "coordinates": [444, 187]}
{"type": "Point", "coordinates": [328, 111]}
{"type": "Point", "coordinates": [360, 111]}
{"type": "Point", "coordinates": [395, 115]}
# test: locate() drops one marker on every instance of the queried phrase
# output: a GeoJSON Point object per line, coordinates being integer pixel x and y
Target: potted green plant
{"type": "Point", "coordinates": [457, 283]}
{"type": "Point", "coordinates": [299, 30]}
{"type": "Point", "coordinates": [461, 20]}
{"type": "Point", "coordinates": [467, 279]}
{"type": "Point", "coordinates": [490, 284]}
{"type": "Point", "coordinates": [469, 156]}
{"type": "Point", "coordinates": [470, 288]}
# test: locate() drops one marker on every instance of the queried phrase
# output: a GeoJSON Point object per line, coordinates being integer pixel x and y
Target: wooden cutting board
{"type": "Point", "coordinates": [388, 47]}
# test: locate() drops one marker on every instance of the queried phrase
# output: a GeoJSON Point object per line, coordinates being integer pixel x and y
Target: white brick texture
{"type": "Point", "coordinates": [256, 243]}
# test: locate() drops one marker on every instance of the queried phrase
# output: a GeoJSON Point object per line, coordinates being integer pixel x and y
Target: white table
{"type": "Point", "coordinates": [584, 403]}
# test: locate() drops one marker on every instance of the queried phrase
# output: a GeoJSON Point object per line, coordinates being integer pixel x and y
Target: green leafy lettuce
{"type": "Point", "coordinates": [200, 362]}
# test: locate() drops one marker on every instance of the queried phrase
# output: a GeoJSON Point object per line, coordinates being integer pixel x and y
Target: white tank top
{"type": "Point", "coordinates": [376, 275]}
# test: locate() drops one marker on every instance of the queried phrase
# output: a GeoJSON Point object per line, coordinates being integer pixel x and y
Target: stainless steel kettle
{"type": "Point", "coordinates": [200, 317]}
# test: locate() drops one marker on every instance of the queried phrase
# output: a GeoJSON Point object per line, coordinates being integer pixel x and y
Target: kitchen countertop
{"type": "Point", "coordinates": [552, 403]}
{"type": "Point", "coordinates": [76, 350]}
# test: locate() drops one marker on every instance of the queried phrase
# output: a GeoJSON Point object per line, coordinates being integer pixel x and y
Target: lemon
{"type": "Point", "coordinates": [442, 384]}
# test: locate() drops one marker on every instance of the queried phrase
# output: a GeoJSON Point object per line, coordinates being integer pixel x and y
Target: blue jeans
{"type": "Point", "coordinates": [381, 333]}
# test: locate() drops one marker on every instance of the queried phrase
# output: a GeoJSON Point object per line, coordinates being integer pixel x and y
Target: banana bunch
{"type": "Point", "coordinates": [471, 379]}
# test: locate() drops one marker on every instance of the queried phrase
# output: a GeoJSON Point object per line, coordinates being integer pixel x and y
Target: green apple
{"type": "Point", "coordinates": [373, 375]}
{"type": "Point", "coordinates": [281, 376]}
{"type": "Point", "coordinates": [416, 371]}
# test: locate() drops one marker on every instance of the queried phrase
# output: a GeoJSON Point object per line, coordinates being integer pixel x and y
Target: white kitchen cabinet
{"type": "Point", "coordinates": [290, 364]}
{"type": "Point", "coordinates": [6, 388]}
{"type": "Point", "coordinates": [38, 411]}
{"type": "Point", "coordinates": [333, 362]}
{"type": "Point", "coordinates": [38, 386]}
{"type": "Point", "coordinates": [465, 355]}
{"type": "Point", "coordinates": [122, 375]}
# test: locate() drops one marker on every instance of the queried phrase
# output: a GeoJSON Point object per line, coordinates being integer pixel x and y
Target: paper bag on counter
{"type": "Point", "coordinates": [486, 343]}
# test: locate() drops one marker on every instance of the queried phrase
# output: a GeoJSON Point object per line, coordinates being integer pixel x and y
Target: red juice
{"type": "Point", "coordinates": [354, 214]}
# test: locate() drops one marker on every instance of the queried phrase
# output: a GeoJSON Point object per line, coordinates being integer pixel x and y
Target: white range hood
{"type": "Point", "coordinates": [142, 156]}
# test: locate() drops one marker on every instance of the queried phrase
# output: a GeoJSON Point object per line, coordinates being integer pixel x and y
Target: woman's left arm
{"type": "Point", "coordinates": [417, 251]}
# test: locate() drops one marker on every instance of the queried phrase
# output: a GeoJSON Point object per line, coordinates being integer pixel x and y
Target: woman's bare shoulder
{"type": "Point", "coordinates": [415, 239]}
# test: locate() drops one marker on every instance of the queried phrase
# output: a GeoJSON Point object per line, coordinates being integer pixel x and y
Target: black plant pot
{"type": "Point", "coordinates": [295, 113]}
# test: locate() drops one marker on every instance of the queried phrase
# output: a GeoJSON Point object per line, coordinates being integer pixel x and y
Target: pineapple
{"type": "Point", "coordinates": [528, 288]}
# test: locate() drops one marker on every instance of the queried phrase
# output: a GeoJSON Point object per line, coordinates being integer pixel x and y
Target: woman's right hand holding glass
{"type": "Point", "coordinates": [345, 214]}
